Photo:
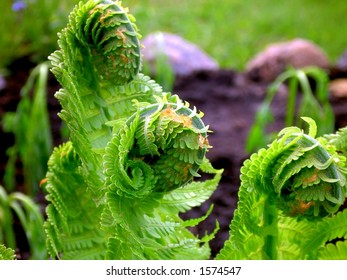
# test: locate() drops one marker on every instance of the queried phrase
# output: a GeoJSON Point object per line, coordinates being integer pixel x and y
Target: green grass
{"type": "Point", "coordinates": [233, 31]}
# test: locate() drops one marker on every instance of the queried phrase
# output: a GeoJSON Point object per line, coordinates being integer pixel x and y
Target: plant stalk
{"type": "Point", "coordinates": [293, 87]}
{"type": "Point", "coordinates": [270, 230]}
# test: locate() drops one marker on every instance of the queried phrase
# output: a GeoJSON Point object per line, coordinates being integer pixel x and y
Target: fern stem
{"type": "Point", "coordinates": [270, 225]}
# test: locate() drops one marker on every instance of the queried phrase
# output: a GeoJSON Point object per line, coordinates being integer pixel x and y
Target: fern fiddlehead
{"type": "Point", "coordinates": [286, 190]}
{"type": "Point", "coordinates": [133, 153]}
{"type": "Point", "coordinates": [98, 55]}
{"type": "Point", "coordinates": [172, 139]}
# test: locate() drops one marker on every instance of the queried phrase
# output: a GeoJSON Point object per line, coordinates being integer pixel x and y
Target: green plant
{"type": "Point", "coordinates": [116, 190]}
{"type": "Point", "coordinates": [31, 128]}
{"type": "Point", "coordinates": [289, 200]}
{"type": "Point", "coordinates": [30, 217]}
{"type": "Point", "coordinates": [160, 68]}
{"type": "Point", "coordinates": [6, 253]}
{"type": "Point", "coordinates": [312, 104]}
{"type": "Point", "coordinates": [29, 27]}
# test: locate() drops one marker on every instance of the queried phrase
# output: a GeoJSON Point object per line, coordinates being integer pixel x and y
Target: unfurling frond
{"type": "Point", "coordinates": [288, 188]}
{"type": "Point", "coordinates": [116, 190]}
{"type": "Point", "coordinates": [72, 225]}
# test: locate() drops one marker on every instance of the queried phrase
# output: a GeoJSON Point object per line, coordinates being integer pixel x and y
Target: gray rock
{"type": "Point", "coordinates": [2, 83]}
{"type": "Point", "coordinates": [271, 62]}
{"type": "Point", "coordinates": [183, 56]}
{"type": "Point", "coordinates": [342, 62]}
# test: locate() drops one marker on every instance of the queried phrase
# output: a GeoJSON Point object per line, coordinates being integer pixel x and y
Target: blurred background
{"type": "Point", "coordinates": [231, 31]}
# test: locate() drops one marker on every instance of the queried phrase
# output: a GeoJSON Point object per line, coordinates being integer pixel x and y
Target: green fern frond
{"type": "Point", "coordinates": [338, 140]}
{"type": "Point", "coordinates": [6, 253]}
{"type": "Point", "coordinates": [118, 249]}
{"type": "Point", "coordinates": [98, 58]}
{"type": "Point", "coordinates": [110, 39]}
{"type": "Point", "coordinates": [125, 162]}
{"type": "Point", "coordinates": [331, 228]}
{"type": "Point", "coordinates": [193, 194]}
{"type": "Point", "coordinates": [336, 251]}
{"type": "Point", "coordinates": [293, 233]}
{"type": "Point", "coordinates": [72, 224]}
{"type": "Point", "coordinates": [146, 137]}
{"type": "Point", "coordinates": [138, 140]}
{"type": "Point", "coordinates": [287, 189]}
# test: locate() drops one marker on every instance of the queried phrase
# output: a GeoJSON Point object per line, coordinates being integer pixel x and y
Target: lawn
{"type": "Point", "coordinates": [232, 31]}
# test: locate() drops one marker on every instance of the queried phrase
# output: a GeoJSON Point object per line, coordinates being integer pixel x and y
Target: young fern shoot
{"type": "Point", "coordinates": [288, 199]}
{"type": "Point", "coordinates": [116, 189]}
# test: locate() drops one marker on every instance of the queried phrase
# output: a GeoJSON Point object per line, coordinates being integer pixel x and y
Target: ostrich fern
{"type": "Point", "coordinates": [290, 198]}
{"type": "Point", "coordinates": [116, 189]}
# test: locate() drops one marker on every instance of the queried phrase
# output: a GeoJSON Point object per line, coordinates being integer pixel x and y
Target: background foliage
{"type": "Point", "coordinates": [231, 31]}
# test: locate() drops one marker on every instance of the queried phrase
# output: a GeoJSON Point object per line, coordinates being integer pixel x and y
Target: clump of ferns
{"type": "Point", "coordinates": [116, 189]}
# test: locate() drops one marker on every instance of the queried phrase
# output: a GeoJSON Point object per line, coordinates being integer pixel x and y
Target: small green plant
{"type": "Point", "coordinates": [30, 217]}
{"type": "Point", "coordinates": [31, 128]}
{"type": "Point", "coordinates": [160, 69]}
{"type": "Point", "coordinates": [313, 104]}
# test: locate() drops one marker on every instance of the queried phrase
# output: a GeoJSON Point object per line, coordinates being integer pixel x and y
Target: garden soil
{"type": "Point", "coordinates": [229, 100]}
